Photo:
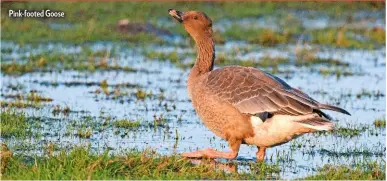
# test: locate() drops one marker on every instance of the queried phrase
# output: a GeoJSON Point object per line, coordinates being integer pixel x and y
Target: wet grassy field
{"type": "Point", "coordinates": [83, 97]}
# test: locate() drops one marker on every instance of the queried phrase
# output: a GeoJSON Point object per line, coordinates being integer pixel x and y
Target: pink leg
{"type": "Point", "coordinates": [211, 153]}
{"type": "Point", "coordinates": [261, 154]}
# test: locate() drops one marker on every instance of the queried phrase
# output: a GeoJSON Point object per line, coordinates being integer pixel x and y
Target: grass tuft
{"type": "Point", "coordinates": [13, 124]}
{"type": "Point", "coordinates": [380, 123]}
{"type": "Point", "coordinates": [84, 133]}
{"type": "Point", "coordinates": [126, 124]}
{"type": "Point", "coordinates": [362, 171]}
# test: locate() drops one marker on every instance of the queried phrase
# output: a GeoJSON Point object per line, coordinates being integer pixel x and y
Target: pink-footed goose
{"type": "Point", "coordinates": [244, 104]}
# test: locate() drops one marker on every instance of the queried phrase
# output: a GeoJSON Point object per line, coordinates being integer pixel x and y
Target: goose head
{"type": "Point", "coordinates": [196, 23]}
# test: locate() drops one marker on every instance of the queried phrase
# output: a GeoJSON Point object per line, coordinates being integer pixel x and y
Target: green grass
{"type": "Point", "coordinates": [331, 36]}
{"type": "Point", "coordinates": [80, 164]}
{"type": "Point", "coordinates": [143, 94]}
{"type": "Point", "coordinates": [367, 93]}
{"type": "Point", "coordinates": [340, 37]}
{"type": "Point", "coordinates": [338, 72]}
{"type": "Point", "coordinates": [268, 37]}
{"type": "Point", "coordinates": [90, 30]}
{"type": "Point", "coordinates": [20, 104]}
{"type": "Point", "coordinates": [126, 124]}
{"type": "Point", "coordinates": [88, 22]}
{"type": "Point", "coordinates": [84, 133]}
{"type": "Point", "coordinates": [95, 21]}
{"type": "Point", "coordinates": [262, 36]}
{"type": "Point", "coordinates": [174, 57]}
{"type": "Point", "coordinates": [265, 61]}
{"type": "Point", "coordinates": [30, 100]}
{"type": "Point", "coordinates": [349, 131]}
{"type": "Point", "coordinates": [37, 98]}
{"type": "Point", "coordinates": [13, 124]}
{"type": "Point", "coordinates": [268, 61]}
{"type": "Point", "coordinates": [85, 60]}
{"type": "Point", "coordinates": [361, 171]}
{"type": "Point", "coordinates": [377, 34]}
{"type": "Point", "coordinates": [171, 56]}
{"type": "Point", "coordinates": [323, 61]}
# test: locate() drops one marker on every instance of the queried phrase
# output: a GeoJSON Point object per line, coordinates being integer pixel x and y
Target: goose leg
{"type": "Point", "coordinates": [211, 153]}
{"type": "Point", "coordinates": [261, 154]}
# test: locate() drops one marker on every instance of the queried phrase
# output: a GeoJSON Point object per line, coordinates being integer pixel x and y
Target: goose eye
{"type": "Point", "coordinates": [195, 17]}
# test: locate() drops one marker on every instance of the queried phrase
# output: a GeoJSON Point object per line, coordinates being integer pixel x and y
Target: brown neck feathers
{"type": "Point", "coordinates": [206, 55]}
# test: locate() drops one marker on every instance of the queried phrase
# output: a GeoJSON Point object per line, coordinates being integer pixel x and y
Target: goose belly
{"type": "Point", "coordinates": [274, 131]}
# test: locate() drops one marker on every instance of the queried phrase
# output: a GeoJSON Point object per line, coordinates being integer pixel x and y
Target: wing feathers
{"type": "Point", "coordinates": [299, 106]}
{"type": "Point", "coordinates": [288, 111]}
{"type": "Point", "coordinates": [252, 91]}
{"type": "Point", "coordinates": [278, 99]}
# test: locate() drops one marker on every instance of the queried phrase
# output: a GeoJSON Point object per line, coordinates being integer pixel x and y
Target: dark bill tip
{"type": "Point", "coordinates": [176, 14]}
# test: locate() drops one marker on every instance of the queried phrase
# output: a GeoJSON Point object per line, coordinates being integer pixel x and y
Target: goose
{"type": "Point", "coordinates": [244, 105]}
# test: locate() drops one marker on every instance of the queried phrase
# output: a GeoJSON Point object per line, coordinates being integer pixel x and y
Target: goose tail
{"type": "Point", "coordinates": [317, 123]}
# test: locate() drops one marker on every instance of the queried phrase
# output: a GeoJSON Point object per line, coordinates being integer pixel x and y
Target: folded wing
{"type": "Point", "coordinates": [253, 91]}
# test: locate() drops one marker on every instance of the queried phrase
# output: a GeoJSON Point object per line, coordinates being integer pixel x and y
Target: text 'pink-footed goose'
{"type": "Point", "coordinates": [244, 104]}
